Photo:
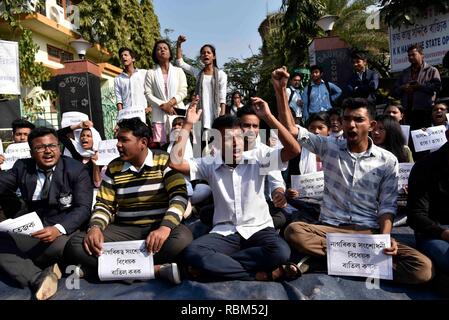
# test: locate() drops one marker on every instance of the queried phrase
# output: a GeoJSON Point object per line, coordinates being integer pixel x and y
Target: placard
{"type": "Point", "coordinates": [429, 139]}
{"type": "Point", "coordinates": [128, 113]}
{"type": "Point", "coordinates": [73, 117]}
{"type": "Point", "coordinates": [26, 224]}
{"type": "Point", "coordinates": [404, 173]}
{"type": "Point", "coordinates": [107, 151]}
{"type": "Point", "coordinates": [359, 255]}
{"type": "Point", "coordinates": [125, 260]}
{"type": "Point", "coordinates": [9, 67]}
{"type": "Point", "coordinates": [14, 152]}
{"type": "Point", "coordinates": [405, 132]}
{"type": "Point", "coordinates": [310, 185]}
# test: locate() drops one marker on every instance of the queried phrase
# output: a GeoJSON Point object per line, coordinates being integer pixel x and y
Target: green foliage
{"type": "Point", "coordinates": [121, 23]}
{"type": "Point", "coordinates": [404, 12]}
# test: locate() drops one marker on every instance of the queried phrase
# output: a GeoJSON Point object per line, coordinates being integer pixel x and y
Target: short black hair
{"type": "Point", "coordinates": [131, 52]}
{"type": "Point", "coordinates": [334, 111]}
{"type": "Point", "coordinates": [245, 110]}
{"type": "Point", "coordinates": [415, 46]}
{"type": "Point", "coordinates": [226, 122]}
{"type": "Point", "coordinates": [137, 127]}
{"type": "Point", "coordinates": [322, 116]}
{"type": "Point", "coordinates": [40, 132]}
{"type": "Point", "coordinates": [316, 67]}
{"type": "Point", "coordinates": [21, 123]}
{"type": "Point", "coordinates": [356, 103]}
{"type": "Point", "coordinates": [180, 118]}
{"type": "Point", "coordinates": [395, 103]}
{"type": "Point", "coordinates": [358, 55]}
{"type": "Point", "coordinates": [154, 54]}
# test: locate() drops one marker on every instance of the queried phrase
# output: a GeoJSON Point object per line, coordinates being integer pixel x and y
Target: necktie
{"type": "Point", "coordinates": [46, 186]}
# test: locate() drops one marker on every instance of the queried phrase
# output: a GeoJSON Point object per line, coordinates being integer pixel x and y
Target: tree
{"type": "Point", "coordinates": [121, 23]}
{"type": "Point", "coordinates": [244, 75]}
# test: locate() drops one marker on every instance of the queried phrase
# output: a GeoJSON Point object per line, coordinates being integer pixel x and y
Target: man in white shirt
{"type": "Point", "coordinates": [129, 85]}
{"type": "Point", "coordinates": [243, 244]}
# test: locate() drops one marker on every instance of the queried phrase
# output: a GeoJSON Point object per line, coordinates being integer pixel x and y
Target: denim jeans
{"type": "Point", "coordinates": [436, 249]}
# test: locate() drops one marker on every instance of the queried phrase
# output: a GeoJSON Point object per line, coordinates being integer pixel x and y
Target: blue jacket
{"type": "Point", "coordinates": [365, 87]}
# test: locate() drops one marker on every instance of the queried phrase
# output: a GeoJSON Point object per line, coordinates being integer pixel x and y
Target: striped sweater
{"type": "Point", "coordinates": [156, 194]}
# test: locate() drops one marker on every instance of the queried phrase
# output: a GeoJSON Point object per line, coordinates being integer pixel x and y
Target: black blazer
{"type": "Point", "coordinates": [365, 88]}
{"type": "Point", "coordinates": [70, 196]}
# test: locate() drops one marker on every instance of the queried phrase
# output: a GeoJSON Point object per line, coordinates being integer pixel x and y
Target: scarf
{"type": "Point", "coordinates": [79, 148]}
{"type": "Point", "coordinates": [215, 91]}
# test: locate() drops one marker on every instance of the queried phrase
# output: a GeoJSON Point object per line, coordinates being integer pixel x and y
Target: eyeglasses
{"type": "Point", "coordinates": [41, 148]}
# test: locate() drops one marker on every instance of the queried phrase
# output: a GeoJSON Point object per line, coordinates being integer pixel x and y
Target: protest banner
{"type": "Point", "coordinates": [14, 152]}
{"type": "Point", "coordinates": [26, 224]}
{"type": "Point", "coordinates": [359, 255]}
{"type": "Point", "coordinates": [107, 151]}
{"type": "Point", "coordinates": [309, 185]}
{"type": "Point", "coordinates": [125, 260]}
{"type": "Point", "coordinates": [72, 117]}
{"type": "Point", "coordinates": [429, 139]}
{"type": "Point", "coordinates": [128, 113]}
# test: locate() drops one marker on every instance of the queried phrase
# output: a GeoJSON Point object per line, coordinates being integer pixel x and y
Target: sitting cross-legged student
{"type": "Point", "coordinates": [140, 198]}
{"type": "Point", "coordinates": [60, 191]}
{"type": "Point", "coordinates": [243, 244]}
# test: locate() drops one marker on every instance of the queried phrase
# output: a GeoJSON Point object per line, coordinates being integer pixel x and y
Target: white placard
{"type": "Point", "coordinates": [405, 132]}
{"type": "Point", "coordinates": [1, 146]}
{"type": "Point", "coordinates": [26, 224]}
{"type": "Point", "coordinates": [310, 185]}
{"type": "Point", "coordinates": [431, 138]}
{"type": "Point", "coordinates": [359, 255]}
{"type": "Point", "coordinates": [431, 32]}
{"type": "Point", "coordinates": [72, 117]}
{"type": "Point", "coordinates": [125, 260]}
{"type": "Point", "coordinates": [107, 151]}
{"type": "Point", "coordinates": [274, 136]}
{"type": "Point", "coordinates": [404, 173]}
{"type": "Point", "coordinates": [14, 152]}
{"type": "Point", "coordinates": [9, 67]}
{"type": "Point", "coordinates": [447, 117]}
{"type": "Point", "coordinates": [128, 113]}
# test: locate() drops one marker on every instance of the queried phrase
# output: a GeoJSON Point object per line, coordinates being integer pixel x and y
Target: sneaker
{"type": "Point", "coordinates": [304, 265]}
{"type": "Point", "coordinates": [46, 284]}
{"type": "Point", "coordinates": [170, 272]}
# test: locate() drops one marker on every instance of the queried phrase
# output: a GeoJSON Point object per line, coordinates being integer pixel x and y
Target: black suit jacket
{"type": "Point", "coordinates": [365, 88]}
{"type": "Point", "coordinates": [70, 197]}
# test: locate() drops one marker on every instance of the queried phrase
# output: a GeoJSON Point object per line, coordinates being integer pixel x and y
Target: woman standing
{"type": "Point", "coordinates": [165, 89]}
{"type": "Point", "coordinates": [210, 85]}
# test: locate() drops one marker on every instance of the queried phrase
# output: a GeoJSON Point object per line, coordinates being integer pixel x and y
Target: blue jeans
{"type": "Point", "coordinates": [436, 249]}
{"type": "Point", "coordinates": [235, 258]}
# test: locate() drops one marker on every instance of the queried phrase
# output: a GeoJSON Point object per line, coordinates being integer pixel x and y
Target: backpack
{"type": "Point", "coordinates": [309, 90]}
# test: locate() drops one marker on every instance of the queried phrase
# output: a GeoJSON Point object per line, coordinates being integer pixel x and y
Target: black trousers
{"type": "Point", "coordinates": [180, 237]}
{"type": "Point", "coordinates": [23, 258]}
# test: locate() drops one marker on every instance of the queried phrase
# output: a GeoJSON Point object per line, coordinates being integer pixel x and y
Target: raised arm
{"type": "Point", "coordinates": [291, 147]}
{"type": "Point", "coordinates": [279, 78]}
{"type": "Point", "coordinates": [177, 160]}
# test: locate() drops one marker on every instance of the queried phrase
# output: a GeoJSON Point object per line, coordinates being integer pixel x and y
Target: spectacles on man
{"type": "Point", "coordinates": [41, 148]}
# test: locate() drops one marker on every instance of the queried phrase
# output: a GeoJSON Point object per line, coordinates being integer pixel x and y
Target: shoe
{"type": "Point", "coordinates": [46, 284]}
{"type": "Point", "coordinates": [170, 272]}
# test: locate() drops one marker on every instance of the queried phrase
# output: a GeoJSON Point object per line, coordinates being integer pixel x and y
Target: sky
{"type": "Point", "coordinates": [230, 25]}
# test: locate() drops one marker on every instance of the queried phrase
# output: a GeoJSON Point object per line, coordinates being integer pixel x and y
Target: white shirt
{"type": "Point", "coordinates": [130, 90]}
{"type": "Point", "coordinates": [37, 193]}
{"type": "Point", "coordinates": [239, 199]}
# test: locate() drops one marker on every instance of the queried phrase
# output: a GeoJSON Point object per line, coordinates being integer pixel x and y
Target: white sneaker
{"type": "Point", "coordinates": [170, 272]}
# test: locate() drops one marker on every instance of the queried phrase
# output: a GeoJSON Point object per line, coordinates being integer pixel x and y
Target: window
{"type": "Point", "coordinates": [58, 55]}
{"type": "Point", "coordinates": [65, 4]}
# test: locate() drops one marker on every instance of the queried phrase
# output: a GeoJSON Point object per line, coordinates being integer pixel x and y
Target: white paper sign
{"type": "Point", "coordinates": [72, 117]}
{"type": "Point", "coordinates": [107, 151]}
{"type": "Point", "coordinates": [128, 113]}
{"type": "Point", "coordinates": [404, 173]}
{"type": "Point", "coordinates": [1, 147]}
{"type": "Point", "coordinates": [447, 117]}
{"type": "Point", "coordinates": [309, 185]}
{"type": "Point", "coordinates": [125, 260]}
{"type": "Point", "coordinates": [431, 32]}
{"type": "Point", "coordinates": [26, 224]}
{"type": "Point", "coordinates": [14, 152]}
{"type": "Point", "coordinates": [405, 132]}
{"type": "Point", "coordinates": [431, 138]}
{"type": "Point", "coordinates": [359, 255]}
{"type": "Point", "coordinates": [9, 67]}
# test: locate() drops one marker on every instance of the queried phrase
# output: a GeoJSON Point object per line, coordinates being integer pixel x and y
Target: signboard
{"type": "Point", "coordinates": [14, 152]}
{"type": "Point", "coordinates": [26, 224]}
{"type": "Point", "coordinates": [430, 139]}
{"type": "Point", "coordinates": [359, 255]}
{"type": "Point", "coordinates": [107, 151]}
{"type": "Point", "coordinates": [431, 32]}
{"type": "Point", "coordinates": [72, 117]}
{"type": "Point", "coordinates": [404, 173]}
{"type": "Point", "coordinates": [309, 185]}
{"type": "Point", "coordinates": [9, 68]}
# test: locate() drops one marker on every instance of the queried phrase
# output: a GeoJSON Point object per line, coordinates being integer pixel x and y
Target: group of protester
{"type": "Point", "coordinates": [238, 186]}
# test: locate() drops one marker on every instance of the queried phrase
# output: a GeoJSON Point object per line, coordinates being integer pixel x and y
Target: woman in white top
{"type": "Point", "coordinates": [165, 89]}
{"type": "Point", "coordinates": [210, 85]}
